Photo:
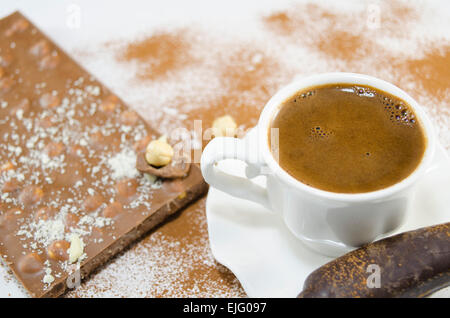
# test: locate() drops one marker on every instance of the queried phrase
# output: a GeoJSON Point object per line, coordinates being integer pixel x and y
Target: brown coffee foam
{"type": "Point", "coordinates": [348, 138]}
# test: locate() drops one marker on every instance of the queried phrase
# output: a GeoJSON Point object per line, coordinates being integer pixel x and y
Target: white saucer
{"type": "Point", "coordinates": [269, 261]}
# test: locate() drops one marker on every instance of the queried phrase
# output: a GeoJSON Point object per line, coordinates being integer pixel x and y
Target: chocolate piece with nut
{"type": "Point", "coordinates": [159, 160]}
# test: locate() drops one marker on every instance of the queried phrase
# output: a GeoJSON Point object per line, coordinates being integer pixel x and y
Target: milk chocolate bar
{"type": "Point", "coordinates": [410, 264]}
{"type": "Point", "coordinates": [70, 194]}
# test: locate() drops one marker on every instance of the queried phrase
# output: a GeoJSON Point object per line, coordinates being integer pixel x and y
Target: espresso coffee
{"type": "Point", "coordinates": [347, 138]}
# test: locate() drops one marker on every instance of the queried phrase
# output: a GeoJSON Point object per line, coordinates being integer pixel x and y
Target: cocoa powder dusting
{"type": "Point", "coordinates": [247, 77]}
{"type": "Point", "coordinates": [159, 54]}
{"type": "Point", "coordinates": [280, 22]}
{"type": "Point", "coordinates": [343, 45]}
{"type": "Point", "coordinates": [398, 18]}
{"type": "Point", "coordinates": [343, 35]}
{"type": "Point", "coordinates": [186, 75]}
{"type": "Point", "coordinates": [431, 71]}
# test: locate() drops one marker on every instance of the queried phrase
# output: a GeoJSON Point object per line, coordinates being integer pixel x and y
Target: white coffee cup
{"type": "Point", "coordinates": [330, 223]}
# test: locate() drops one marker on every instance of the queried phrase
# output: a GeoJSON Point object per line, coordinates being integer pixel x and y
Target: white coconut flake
{"type": "Point", "coordinates": [123, 165]}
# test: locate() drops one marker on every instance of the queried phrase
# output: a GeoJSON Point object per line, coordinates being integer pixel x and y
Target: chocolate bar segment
{"type": "Point", "coordinates": [67, 166]}
{"type": "Point", "coordinates": [410, 264]}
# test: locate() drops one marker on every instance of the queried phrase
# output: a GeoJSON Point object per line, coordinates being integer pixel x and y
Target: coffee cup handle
{"type": "Point", "coordinates": [221, 148]}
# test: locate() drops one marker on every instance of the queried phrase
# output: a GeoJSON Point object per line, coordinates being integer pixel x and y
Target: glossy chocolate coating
{"type": "Point", "coordinates": [412, 264]}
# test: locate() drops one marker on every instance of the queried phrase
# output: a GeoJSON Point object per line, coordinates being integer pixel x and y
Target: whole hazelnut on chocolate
{"type": "Point", "coordinates": [58, 250]}
{"type": "Point", "coordinates": [93, 202]}
{"type": "Point", "coordinates": [112, 210]}
{"type": "Point", "coordinates": [159, 153]}
{"type": "Point", "coordinates": [30, 264]}
{"type": "Point", "coordinates": [126, 190]}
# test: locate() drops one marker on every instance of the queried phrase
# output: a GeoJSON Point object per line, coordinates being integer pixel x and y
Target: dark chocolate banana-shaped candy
{"type": "Point", "coordinates": [410, 264]}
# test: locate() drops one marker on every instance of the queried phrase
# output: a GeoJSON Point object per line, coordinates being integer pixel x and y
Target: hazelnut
{"type": "Point", "coordinates": [58, 250]}
{"type": "Point", "coordinates": [112, 210]}
{"type": "Point", "coordinates": [93, 202]}
{"type": "Point", "coordinates": [159, 153]}
{"type": "Point", "coordinates": [224, 126]}
{"type": "Point", "coordinates": [126, 189]}
{"type": "Point", "coordinates": [30, 264]}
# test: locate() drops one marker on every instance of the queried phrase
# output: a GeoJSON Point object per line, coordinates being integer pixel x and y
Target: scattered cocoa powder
{"type": "Point", "coordinates": [333, 35]}
{"type": "Point", "coordinates": [345, 36]}
{"type": "Point", "coordinates": [281, 23]}
{"type": "Point", "coordinates": [344, 45]}
{"type": "Point", "coordinates": [248, 77]}
{"type": "Point", "coordinates": [159, 54]}
{"type": "Point", "coordinates": [341, 34]}
{"type": "Point", "coordinates": [398, 17]}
